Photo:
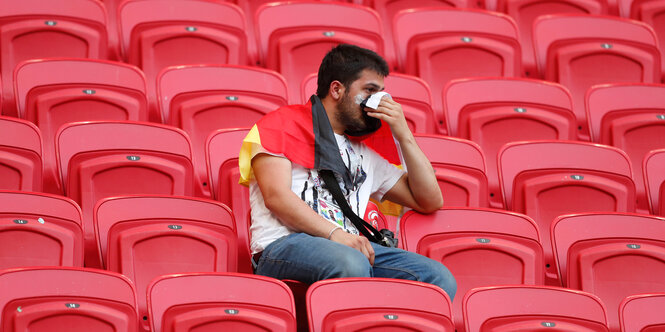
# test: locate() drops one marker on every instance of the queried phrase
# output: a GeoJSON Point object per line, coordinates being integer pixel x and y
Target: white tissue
{"type": "Point", "coordinates": [375, 99]}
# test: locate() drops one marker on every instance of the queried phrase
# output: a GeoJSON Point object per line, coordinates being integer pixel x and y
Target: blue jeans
{"type": "Point", "coordinates": [308, 259]}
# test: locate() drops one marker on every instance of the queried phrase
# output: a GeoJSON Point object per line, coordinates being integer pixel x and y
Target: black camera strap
{"type": "Point", "coordinates": [363, 226]}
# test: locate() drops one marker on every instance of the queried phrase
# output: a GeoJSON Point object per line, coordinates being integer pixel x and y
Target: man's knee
{"type": "Point", "coordinates": [442, 277]}
{"type": "Point", "coordinates": [353, 265]}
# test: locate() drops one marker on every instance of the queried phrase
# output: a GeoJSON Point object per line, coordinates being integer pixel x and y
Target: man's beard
{"type": "Point", "coordinates": [351, 116]}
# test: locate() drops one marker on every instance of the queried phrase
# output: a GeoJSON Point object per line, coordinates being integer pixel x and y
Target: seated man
{"type": "Point", "coordinates": [298, 230]}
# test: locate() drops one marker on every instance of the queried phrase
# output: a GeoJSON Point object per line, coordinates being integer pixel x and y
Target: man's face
{"type": "Point", "coordinates": [349, 112]}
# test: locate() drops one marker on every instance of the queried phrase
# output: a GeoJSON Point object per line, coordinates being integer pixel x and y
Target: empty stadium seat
{"type": "Point", "coordinates": [156, 34]}
{"type": "Point", "coordinates": [34, 29]}
{"type": "Point", "coordinates": [545, 179]}
{"type": "Point", "coordinates": [531, 308]}
{"type": "Point", "coordinates": [102, 159]}
{"type": "Point", "coordinates": [649, 12]}
{"type": "Point", "coordinates": [202, 99]}
{"type": "Point", "coordinates": [59, 299]}
{"type": "Point", "coordinates": [459, 166]}
{"type": "Point", "coordinates": [642, 313]}
{"type": "Point", "coordinates": [480, 247]}
{"type": "Point", "coordinates": [39, 230]}
{"type": "Point", "coordinates": [294, 36]}
{"type": "Point", "coordinates": [580, 51]}
{"type": "Point", "coordinates": [632, 118]}
{"type": "Point", "coordinates": [654, 177]}
{"type": "Point", "coordinates": [20, 155]}
{"type": "Point", "coordinates": [144, 237]}
{"type": "Point", "coordinates": [362, 304]}
{"type": "Point", "coordinates": [611, 256]}
{"type": "Point", "coordinates": [496, 111]}
{"type": "Point", "coordinates": [525, 12]}
{"type": "Point", "coordinates": [53, 92]}
{"type": "Point", "coordinates": [455, 43]}
{"type": "Point", "coordinates": [220, 301]}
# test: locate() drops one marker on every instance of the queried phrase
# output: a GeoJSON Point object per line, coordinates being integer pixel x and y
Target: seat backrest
{"type": "Point", "coordinates": [240, 302]}
{"type": "Point", "coordinates": [545, 179]}
{"type": "Point", "coordinates": [460, 169]}
{"type": "Point", "coordinates": [632, 118]}
{"type": "Point", "coordinates": [642, 313]}
{"type": "Point", "coordinates": [39, 230]}
{"type": "Point", "coordinates": [496, 111]}
{"type": "Point", "coordinates": [101, 159]}
{"type": "Point", "coordinates": [33, 29]}
{"type": "Point", "coordinates": [352, 304]}
{"type": "Point", "coordinates": [294, 36]}
{"type": "Point", "coordinates": [580, 51]}
{"type": "Point", "coordinates": [59, 299]}
{"type": "Point", "coordinates": [507, 243]}
{"type": "Point", "coordinates": [455, 43]}
{"type": "Point", "coordinates": [612, 255]}
{"type": "Point", "coordinates": [156, 34]}
{"type": "Point", "coordinates": [20, 155]}
{"type": "Point", "coordinates": [222, 150]}
{"type": "Point", "coordinates": [144, 237]}
{"type": "Point", "coordinates": [653, 166]}
{"type": "Point", "coordinates": [53, 92]}
{"type": "Point", "coordinates": [649, 12]}
{"type": "Point", "coordinates": [533, 308]}
{"type": "Point", "coordinates": [202, 99]}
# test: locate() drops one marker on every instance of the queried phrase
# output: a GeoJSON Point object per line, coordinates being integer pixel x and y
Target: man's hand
{"type": "Point", "coordinates": [391, 112]}
{"type": "Point", "coordinates": [357, 242]}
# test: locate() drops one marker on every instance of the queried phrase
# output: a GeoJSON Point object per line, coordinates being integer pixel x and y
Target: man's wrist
{"type": "Point", "coordinates": [333, 231]}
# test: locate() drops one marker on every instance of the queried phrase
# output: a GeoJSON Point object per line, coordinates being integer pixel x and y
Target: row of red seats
{"type": "Point", "coordinates": [70, 299]}
{"type": "Point", "coordinates": [611, 255]}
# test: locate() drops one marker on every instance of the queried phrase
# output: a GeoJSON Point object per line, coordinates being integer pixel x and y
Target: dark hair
{"type": "Point", "coordinates": [344, 63]}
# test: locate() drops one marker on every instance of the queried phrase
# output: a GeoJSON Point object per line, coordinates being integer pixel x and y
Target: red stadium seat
{"type": "Point", "coordinates": [39, 230]}
{"type": "Point", "coordinates": [654, 177]}
{"type": "Point", "coordinates": [460, 169]}
{"type": "Point", "coordinates": [112, 28]}
{"type": "Point", "coordinates": [239, 302]}
{"type": "Point", "coordinates": [530, 308]}
{"type": "Point", "coordinates": [365, 304]}
{"type": "Point", "coordinates": [144, 237]}
{"type": "Point", "coordinates": [20, 155]}
{"type": "Point", "coordinates": [58, 299]}
{"type": "Point", "coordinates": [580, 51]}
{"type": "Point", "coordinates": [545, 179]}
{"type": "Point", "coordinates": [525, 12]}
{"type": "Point", "coordinates": [294, 36]}
{"type": "Point", "coordinates": [222, 149]}
{"type": "Point", "coordinates": [455, 43]}
{"type": "Point", "coordinates": [102, 159]}
{"type": "Point", "coordinates": [651, 13]}
{"type": "Point", "coordinates": [33, 29]}
{"type": "Point", "coordinates": [632, 118]}
{"type": "Point", "coordinates": [496, 111]}
{"type": "Point", "coordinates": [156, 34]}
{"type": "Point", "coordinates": [611, 256]}
{"type": "Point", "coordinates": [480, 247]}
{"type": "Point", "coordinates": [642, 313]}
{"type": "Point", "coordinates": [53, 92]}
{"type": "Point", "coordinates": [202, 99]}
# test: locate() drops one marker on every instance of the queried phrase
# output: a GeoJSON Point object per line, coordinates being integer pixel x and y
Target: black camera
{"type": "Point", "coordinates": [388, 239]}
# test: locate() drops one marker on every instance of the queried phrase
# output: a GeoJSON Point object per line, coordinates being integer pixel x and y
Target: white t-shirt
{"type": "Point", "coordinates": [372, 176]}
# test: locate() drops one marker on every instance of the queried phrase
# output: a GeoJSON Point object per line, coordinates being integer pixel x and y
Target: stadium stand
{"type": "Point", "coordinates": [632, 118]}
{"type": "Point", "coordinates": [496, 111]}
{"type": "Point", "coordinates": [59, 299]}
{"type": "Point", "coordinates": [144, 237]}
{"type": "Point", "coordinates": [654, 177]}
{"type": "Point", "coordinates": [103, 159]}
{"type": "Point", "coordinates": [546, 179]}
{"type": "Point", "coordinates": [642, 313]}
{"type": "Point", "coordinates": [508, 244]}
{"type": "Point", "coordinates": [610, 255]}
{"type": "Point", "coordinates": [34, 29]}
{"type": "Point", "coordinates": [39, 229]}
{"type": "Point", "coordinates": [533, 308]}
{"type": "Point", "coordinates": [53, 92]}
{"type": "Point", "coordinates": [20, 155]}
{"type": "Point", "coordinates": [220, 301]}
{"type": "Point", "coordinates": [353, 304]}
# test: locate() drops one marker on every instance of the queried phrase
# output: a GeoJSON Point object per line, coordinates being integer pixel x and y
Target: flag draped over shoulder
{"type": "Point", "coordinates": [303, 134]}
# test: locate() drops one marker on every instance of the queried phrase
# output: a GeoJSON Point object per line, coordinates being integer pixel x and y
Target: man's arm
{"type": "Point", "coordinates": [418, 189]}
{"type": "Point", "coordinates": [273, 175]}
